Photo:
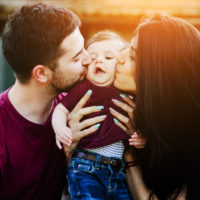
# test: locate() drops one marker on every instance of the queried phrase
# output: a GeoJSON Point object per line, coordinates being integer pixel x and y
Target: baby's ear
{"type": "Point", "coordinates": [41, 73]}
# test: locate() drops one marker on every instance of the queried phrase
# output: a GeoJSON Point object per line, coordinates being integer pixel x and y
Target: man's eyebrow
{"type": "Point", "coordinates": [77, 54]}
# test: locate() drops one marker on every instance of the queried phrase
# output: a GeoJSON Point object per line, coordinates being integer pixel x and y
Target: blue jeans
{"type": "Point", "coordinates": [91, 180]}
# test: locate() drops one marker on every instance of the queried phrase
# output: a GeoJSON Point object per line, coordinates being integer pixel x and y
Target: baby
{"type": "Point", "coordinates": [96, 166]}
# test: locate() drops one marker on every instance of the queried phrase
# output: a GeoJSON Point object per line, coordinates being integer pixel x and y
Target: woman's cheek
{"type": "Point", "coordinates": [131, 85]}
{"type": "Point", "coordinates": [125, 82]}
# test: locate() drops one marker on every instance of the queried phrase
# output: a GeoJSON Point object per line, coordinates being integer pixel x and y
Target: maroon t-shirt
{"type": "Point", "coordinates": [108, 132]}
{"type": "Point", "coordinates": [31, 166]}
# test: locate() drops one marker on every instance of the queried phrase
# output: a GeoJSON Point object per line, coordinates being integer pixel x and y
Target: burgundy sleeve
{"type": "Point", "coordinates": [73, 97]}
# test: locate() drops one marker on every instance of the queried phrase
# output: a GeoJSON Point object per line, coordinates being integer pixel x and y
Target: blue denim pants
{"type": "Point", "coordinates": [91, 180]}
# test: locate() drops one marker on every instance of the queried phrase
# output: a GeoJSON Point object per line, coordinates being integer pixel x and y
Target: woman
{"type": "Point", "coordinates": [164, 61]}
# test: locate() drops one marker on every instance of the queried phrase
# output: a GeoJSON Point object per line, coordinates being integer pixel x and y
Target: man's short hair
{"type": "Point", "coordinates": [33, 36]}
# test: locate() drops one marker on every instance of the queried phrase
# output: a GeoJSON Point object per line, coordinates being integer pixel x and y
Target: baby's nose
{"type": "Point", "coordinates": [99, 59]}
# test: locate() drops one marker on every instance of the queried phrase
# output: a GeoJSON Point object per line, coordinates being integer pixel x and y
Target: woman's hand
{"type": "Point", "coordinates": [129, 108]}
{"type": "Point", "coordinates": [136, 139]}
{"type": "Point", "coordinates": [79, 129]}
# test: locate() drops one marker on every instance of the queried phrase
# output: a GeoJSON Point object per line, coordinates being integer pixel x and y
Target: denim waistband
{"type": "Point", "coordinates": [114, 162]}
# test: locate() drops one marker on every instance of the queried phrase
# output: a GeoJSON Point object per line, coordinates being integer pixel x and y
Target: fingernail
{"type": "Point", "coordinates": [89, 92]}
{"type": "Point", "coordinates": [100, 107]}
{"type": "Point", "coordinates": [131, 97]}
{"type": "Point", "coordinates": [96, 126]}
{"type": "Point", "coordinates": [112, 110]}
{"type": "Point", "coordinates": [115, 100]}
{"type": "Point", "coordinates": [116, 121]}
{"type": "Point", "coordinates": [123, 96]}
{"type": "Point", "coordinates": [103, 116]}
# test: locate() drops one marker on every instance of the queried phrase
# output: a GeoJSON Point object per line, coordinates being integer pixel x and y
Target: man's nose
{"type": "Point", "coordinates": [87, 58]}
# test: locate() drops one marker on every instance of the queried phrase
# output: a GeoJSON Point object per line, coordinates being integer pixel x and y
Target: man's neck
{"type": "Point", "coordinates": [32, 101]}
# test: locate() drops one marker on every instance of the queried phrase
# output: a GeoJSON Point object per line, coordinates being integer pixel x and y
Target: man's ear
{"type": "Point", "coordinates": [40, 73]}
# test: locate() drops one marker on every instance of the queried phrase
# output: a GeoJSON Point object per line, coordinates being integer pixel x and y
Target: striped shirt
{"type": "Point", "coordinates": [114, 150]}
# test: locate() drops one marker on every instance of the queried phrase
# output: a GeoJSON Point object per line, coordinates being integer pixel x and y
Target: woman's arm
{"type": "Point", "coordinates": [83, 128]}
{"type": "Point", "coordinates": [137, 187]}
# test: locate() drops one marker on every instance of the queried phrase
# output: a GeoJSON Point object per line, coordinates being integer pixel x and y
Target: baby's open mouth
{"type": "Point", "coordinates": [99, 70]}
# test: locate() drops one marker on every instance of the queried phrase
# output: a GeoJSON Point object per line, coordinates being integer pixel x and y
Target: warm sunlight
{"type": "Point", "coordinates": [118, 15]}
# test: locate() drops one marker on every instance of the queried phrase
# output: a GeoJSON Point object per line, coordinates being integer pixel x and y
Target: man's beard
{"type": "Point", "coordinates": [59, 88]}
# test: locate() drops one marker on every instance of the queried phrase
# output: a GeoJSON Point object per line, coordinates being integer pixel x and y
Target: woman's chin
{"type": "Point", "coordinates": [116, 84]}
{"type": "Point", "coordinates": [119, 85]}
{"type": "Point", "coordinates": [124, 86]}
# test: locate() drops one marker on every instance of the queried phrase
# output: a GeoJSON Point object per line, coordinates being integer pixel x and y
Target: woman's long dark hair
{"type": "Point", "coordinates": [168, 103]}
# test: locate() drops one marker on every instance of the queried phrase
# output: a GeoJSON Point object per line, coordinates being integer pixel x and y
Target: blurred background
{"type": "Point", "coordinates": [121, 16]}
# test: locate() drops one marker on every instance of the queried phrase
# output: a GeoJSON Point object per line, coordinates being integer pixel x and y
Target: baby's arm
{"type": "Point", "coordinates": [137, 140]}
{"type": "Point", "coordinates": [59, 123]}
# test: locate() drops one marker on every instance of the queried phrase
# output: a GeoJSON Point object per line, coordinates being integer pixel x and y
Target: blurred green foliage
{"type": "Point", "coordinates": [6, 74]}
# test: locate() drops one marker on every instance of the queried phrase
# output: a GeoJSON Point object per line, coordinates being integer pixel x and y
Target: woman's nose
{"type": "Point", "coordinates": [121, 57]}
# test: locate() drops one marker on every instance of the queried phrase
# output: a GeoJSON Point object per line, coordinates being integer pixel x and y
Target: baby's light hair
{"type": "Point", "coordinates": [107, 35]}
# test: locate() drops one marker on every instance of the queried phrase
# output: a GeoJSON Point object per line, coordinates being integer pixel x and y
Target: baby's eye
{"type": "Point", "coordinates": [109, 57]}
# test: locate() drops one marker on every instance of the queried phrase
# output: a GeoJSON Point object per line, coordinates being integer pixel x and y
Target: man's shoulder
{"type": "Point", "coordinates": [4, 108]}
{"type": "Point", "coordinates": [3, 99]}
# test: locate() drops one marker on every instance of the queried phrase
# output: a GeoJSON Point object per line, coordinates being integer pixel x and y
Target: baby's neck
{"type": "Point", "coordinates": [101, 85]}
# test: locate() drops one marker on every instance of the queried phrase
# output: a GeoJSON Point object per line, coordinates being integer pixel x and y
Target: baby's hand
{"type": "Point", "coordinates": [64, 136]}
{"type": "Point", "coordinates": [137, 141]}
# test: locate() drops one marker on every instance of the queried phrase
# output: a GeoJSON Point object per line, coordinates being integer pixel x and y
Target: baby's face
{"type": "Point", "coordinates": [101, 71]}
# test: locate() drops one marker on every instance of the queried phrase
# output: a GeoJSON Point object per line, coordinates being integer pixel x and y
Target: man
{"type": "Point", "coordinates": [45, 49]}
